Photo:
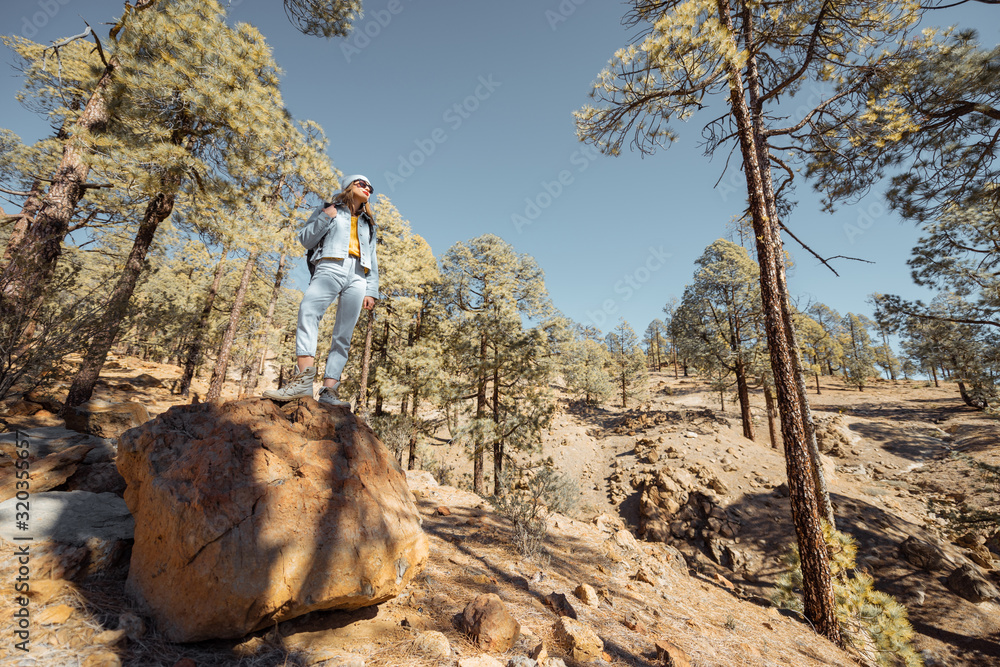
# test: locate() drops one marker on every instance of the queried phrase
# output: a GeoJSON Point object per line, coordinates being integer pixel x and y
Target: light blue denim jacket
{"type": "Point", "coordinates": [339, 238]}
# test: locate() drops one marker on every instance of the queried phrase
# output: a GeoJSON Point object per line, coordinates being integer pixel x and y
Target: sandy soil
{"type": "Point", "coordinates": [911, 447]}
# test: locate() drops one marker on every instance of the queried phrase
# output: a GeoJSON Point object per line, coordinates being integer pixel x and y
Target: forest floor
{"type": "Point", "coordinates": [912, 446]}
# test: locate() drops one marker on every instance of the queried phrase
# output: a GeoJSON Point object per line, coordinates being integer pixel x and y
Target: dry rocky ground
{"type": "Point", "coordinates": [894, 448]}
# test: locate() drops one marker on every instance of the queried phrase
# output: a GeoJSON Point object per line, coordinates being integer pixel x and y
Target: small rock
{"type": "Point", "coordinates": [106, 420]}
{"type": "Point", "coordinates": [102, 659]}
{"type": "Point", "coordinates": [54, 615]}
{"type": "Point", "coordinates": [579, 639]}
{"type": "Point", "coordinates": [967, 582]}
{"type": "Point", "coordinates": [521, 661]}
{"type": "Point", "coordinates": [442, 511]}
{"type": "Point", "coordinates": [634, 623]}
{"type": "Point", "coordinates": [489, 623]}
{"type": "Point", "coordinates": [588, 595]}
{"type": "Point", "coordinates": [540, 653]}
{"type": "Point", "coordinates": [561, 604]}
{"type": "Point", "coordinates": [981, 556]}
{"type": "Point", "coordinates": [671, 655]}
{"type": "Point", "coordinates": [644, 575]}
{"type": "Point", "coordinates": [480, 661]}
{"type": "Point", "coordinates": [108, 637]}
{"type": "Point", "coordinates": [970, 540]}
{"type": "Point", "coordinates": [925, 555]}
{"type": "Point", "coordinates": [432, 644]}
{"type": "Point", "coordinates": [132, 625]}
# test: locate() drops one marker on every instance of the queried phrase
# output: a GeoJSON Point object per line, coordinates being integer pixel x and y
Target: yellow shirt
{"type": "Point", "coordinates": [355, 248]}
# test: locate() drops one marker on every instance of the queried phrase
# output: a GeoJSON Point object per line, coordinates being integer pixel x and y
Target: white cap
{"type": "Point", "coordinates": [357, 177]}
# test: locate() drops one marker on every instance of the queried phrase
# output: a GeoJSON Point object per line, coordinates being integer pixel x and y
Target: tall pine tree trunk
{"type": "Point", "coordinates": [361, 403]}
{"type": "Point", "coordinates": [772, 414]}
{"type": "Point", "coordinates": [498, 443]}
{"type": "Point", "coordinates": [93, 361]}
{"type": "Point", "coordinates": [31, 255]}
{"type": "Point", "coordinates": [743, 392]}
{"type": "Point", "coordinates": [33, 252]}
{"type": "Point", "coordinates": [382, 356]}
{"type": "Point", "coordinates": [411, 462]}
{"type": "Point", "coordinates": [198, 337]}
{"type": "Point", "coordinates": [818, 598]}
{"type": "Point", "coordinates": [258, 367]}
{"type": "Point", "coordinates": [478, 458]}
{"type": "Point", "coordinates": [222, 360]}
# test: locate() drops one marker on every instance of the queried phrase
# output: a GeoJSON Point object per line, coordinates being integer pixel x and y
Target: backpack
{"type": "Point", "coordinates": [311, 252]}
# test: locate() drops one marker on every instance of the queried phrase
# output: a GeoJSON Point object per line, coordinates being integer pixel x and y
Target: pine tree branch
{"type": "Point", "coordinates": [15, 193]}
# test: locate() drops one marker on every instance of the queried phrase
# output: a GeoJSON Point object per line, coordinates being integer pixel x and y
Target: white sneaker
{"type": "Point", "coordinates": [328, 396]}
{"type": "Point", "coordinates": [300, 386]}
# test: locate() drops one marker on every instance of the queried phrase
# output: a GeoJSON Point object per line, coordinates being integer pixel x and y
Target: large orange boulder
{"type": "Point", "coordinates": [249, 513]}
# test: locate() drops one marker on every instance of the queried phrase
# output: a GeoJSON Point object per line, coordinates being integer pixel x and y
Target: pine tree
{"type": "Point", "coordinates": [504, 367]}
{"type": "Point", "coordinates": [859, 355]}
{"type": "Point", "coordinates": [35, 245]}
{"type": "Point", "coordinates": [720, 320]}
{"type": "Point", "coordinates": [585, 369]}
{"type": "Point", "coordinates": [655, 339]}
{"type": "Point", "coordinates": [753, 55]}
{"type": "Point", "coordinates": [628, 363]}
{"type": "Point", "coordinates": [162, 94]}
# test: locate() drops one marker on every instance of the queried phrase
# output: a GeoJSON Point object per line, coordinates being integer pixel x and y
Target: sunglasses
{"type": "Point", "coordinates": [364, 185]}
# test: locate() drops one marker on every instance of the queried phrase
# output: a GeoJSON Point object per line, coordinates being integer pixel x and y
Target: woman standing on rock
{"type": "Point", "coordinates": [341, 240]}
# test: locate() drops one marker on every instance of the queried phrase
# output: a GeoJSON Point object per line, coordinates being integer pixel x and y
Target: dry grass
{"type": "Point", "coordinates": [472, 553]}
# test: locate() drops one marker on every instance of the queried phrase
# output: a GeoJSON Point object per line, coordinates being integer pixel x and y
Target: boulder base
{"type": "Point", "coordinates": [248, 514]}
{"type": "Point", "coordinates": [107, 420]}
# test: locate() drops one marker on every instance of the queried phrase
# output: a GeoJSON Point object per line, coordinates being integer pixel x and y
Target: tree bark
{"type": "Point", "coordinates": [809, 426]}
{"type": "Point", "coordinates": [818, 598]}
{"type": "Point", "coordinates": [411, 462]}
{"type": "Point", "coordinates": [32, 254]}
{"type": "Point", "coordinates": [968, 399]}
{"type": "Point", "coordinates": [772, 413]}
{"type": "Point", "coordinates": [498, 443]}
{"type": "Point", "coordinates": [198, 337]}
{"type": "Point", "coordinates": [382, 356]}
{"type": "Point", "coordinates": [222, 360]}
{"type": "Point", "coordinates": [361, 401]}
{"type": "Point", "coordinates": [93, 361]}
{"type": "Point", "coordinates": [743, 392]}
{"type": "Point", "coordinates": [258, 368]}
{"type": "Point", "coordinates": [478, 460]}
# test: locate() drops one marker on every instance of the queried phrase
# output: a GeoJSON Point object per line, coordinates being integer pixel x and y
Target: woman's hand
{"type": "Point", "coordinates": [331, 210]}
{"type": "Point", "coordinates": [368, 303]}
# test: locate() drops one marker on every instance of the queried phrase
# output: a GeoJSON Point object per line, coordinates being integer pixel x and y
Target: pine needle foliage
{"type": "Point", "coordinates": [873, 623]}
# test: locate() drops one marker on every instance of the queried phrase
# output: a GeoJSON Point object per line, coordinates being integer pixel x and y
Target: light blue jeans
{"type": "Point", "coordinates": [341, 279]}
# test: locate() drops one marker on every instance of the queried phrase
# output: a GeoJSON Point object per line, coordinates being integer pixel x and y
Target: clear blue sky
{"type": "Point", "coordinates": [460, 111]}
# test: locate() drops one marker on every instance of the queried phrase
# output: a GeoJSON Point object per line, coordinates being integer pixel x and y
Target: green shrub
{"type": "Point", "coordinates": [527, 497]}
{"type": "Point", "coordinates": [874, 625]}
